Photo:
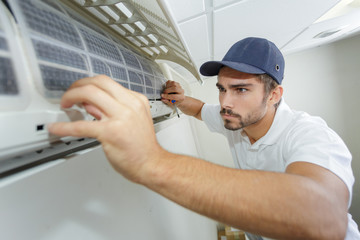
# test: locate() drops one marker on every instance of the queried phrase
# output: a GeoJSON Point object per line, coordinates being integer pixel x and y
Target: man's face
{"type": "Point", "coordinates": [241, 97]}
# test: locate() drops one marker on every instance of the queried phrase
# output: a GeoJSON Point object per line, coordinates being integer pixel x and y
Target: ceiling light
{"type": "Point", "coordinates": [340, 9]}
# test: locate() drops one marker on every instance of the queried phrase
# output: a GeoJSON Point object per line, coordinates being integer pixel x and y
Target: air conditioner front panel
{"type": "Point", "coordinates": [48, 47]}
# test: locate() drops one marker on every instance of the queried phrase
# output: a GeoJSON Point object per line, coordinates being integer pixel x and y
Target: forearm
{"type": "Point", "coordinates": [191, 106]}
{"type": "Point", "coordinates": [276, 205]}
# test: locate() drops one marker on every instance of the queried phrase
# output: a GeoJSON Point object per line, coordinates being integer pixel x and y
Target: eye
{"type": "Point", "coordinates": [221, 89]}
{"type": "Point", "coordinates": [241, 90]}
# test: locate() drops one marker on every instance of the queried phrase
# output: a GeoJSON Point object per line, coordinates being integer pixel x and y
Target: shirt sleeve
{"type": "Point", "coordinates": [316, 143]}
{"type": "Point", "coordinates": [210, 114]}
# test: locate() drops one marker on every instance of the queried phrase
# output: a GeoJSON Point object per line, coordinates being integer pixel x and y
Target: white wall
{"type": "Point", "coordinates": [84, 198]}
{"type": "Point", "coordinates": [322, 81]}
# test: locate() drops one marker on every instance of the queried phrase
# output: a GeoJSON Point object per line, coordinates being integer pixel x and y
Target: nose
{"type": "Point", "coordinates": [226, 100]}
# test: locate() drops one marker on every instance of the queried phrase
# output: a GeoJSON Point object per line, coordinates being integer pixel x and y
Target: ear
{"type": "Point", "coordinates": [275, 95]}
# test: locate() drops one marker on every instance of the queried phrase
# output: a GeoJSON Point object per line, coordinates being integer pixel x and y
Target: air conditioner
{"type": "Point", "coordinates": [46, 45]}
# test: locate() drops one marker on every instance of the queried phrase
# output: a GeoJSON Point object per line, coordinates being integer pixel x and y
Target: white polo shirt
{"type": "Point", "coordinates": [293, 136]}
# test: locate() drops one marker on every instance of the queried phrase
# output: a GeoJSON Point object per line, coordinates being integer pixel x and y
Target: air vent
{"type": "Point", "coordinates": [143, 23]}
{"type": "Point", "coordinates": [329, 33]}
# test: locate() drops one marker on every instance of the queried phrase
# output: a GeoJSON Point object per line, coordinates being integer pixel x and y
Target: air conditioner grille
{"type": "Point", "coordinates": [144, 23]}
{"type": "Point", "coordinates": [8, 84]}
{"type": "Point", "coordinates": [67, 49]}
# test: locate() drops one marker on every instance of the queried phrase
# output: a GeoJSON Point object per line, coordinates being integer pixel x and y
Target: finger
{"type": "Point", "coordinates": [119, 93]}
{"type": "Point", "coordinates": [176, 97]}
{"type": "Point", "coordinates": [166, 101]}
{"type": "Point", "coordinates": [172, 89]}
{"type": "Point", "coordinates": [75, 129]}
{"type": "Point", "coordinates": [106, 84]}
{"type": "Point", "coordinates": [93, 111]}
{"type": "Point", "coordinates": [170, 84]}
{"type": "Point", "coordinates": [90, 94]}
{"type": "Point", "coordinates": [143, 101]}
{"type": "Point", "coordinates": [101, 81]}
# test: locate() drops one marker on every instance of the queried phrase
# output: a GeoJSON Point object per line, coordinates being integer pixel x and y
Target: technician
{"type": "Point", "coordinates": [294, 177]}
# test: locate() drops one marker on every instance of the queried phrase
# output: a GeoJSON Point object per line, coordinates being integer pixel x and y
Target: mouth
{"type": "Point", "coordinates": [227, 113]}
{"type": "Point", "coordinates": [228, 116]}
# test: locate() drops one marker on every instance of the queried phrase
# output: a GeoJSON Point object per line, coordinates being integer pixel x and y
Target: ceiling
{"type": "Point", "coordinates": [209, 27]}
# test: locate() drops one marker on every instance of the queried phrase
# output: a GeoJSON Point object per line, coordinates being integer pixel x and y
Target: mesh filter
{"type": "Point", "coordinates": [52, 53]}
{"type": "Point", "coordinates": [130, 60]}
{"type": "Point", "coordinates": [8, 84]}
{"type": "Point", "coordinates": [135, 77]}
{"type": "Point", "coordinates": [146, 67]}
{"type": "Point", "coordinates": [50, 24]}
{"type": "Point", "coordinates": [99, 67]}
{"type": "Point", "coordinates": [3, 44]}
{"type": "Point", "coordinates": [101, 47]}
{"type": "Point", "coordinates": [67, 46]}
{"type": "Point", "coordinates": [52, 4]}
{"type": "Point", "coordinates": [8, 79]}
{"type": "Point", "coordinates": [118, 72]}
{"type": "Point", "coordinates": [137, 88]}
{"type": "Point", "coordinates": [149, 80]}
{"type": "Point", "coordinates": [59, 79]}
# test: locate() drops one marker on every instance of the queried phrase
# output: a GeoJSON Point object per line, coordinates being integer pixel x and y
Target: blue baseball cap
{"type": "Point", "coordinates": [250, 55]}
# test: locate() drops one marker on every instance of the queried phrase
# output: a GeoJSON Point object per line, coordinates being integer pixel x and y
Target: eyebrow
{"type": "Point", "coordinates": [236, 85]}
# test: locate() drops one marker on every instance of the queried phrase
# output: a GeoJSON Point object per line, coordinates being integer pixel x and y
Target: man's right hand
{"type": "Point", "coordinates": [172, 91]}
{"type": "Point", "coordinates": [188, 105]}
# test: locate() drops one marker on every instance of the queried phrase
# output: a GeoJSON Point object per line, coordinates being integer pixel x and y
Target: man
{"type": "Point", "coordinates": [301, 181]}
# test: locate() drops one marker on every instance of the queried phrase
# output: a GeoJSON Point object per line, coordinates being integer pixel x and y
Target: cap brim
{"type": "Point", "coordinates": [212, 68]}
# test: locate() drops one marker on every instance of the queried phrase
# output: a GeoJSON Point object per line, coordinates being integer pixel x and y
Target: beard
{"type": "Point", "coordinates": [240, 122]}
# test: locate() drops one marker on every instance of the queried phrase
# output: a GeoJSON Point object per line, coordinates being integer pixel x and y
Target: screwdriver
{"type": "Point", "coordinates": [177, 112]}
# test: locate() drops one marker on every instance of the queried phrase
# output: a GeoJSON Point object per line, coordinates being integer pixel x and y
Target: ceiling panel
{"type": "Point", "coordinates": [183, 9]}
{"type": "Point", "coordinates": [219, 3]}
{"type": "Point", "coordinates": [276, 20]}
{"type": "Point", "coordinates": [195, 33]}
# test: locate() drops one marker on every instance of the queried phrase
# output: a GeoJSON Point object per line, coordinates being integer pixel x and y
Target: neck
{"type": "Point", "coordinates": [260, 128]}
